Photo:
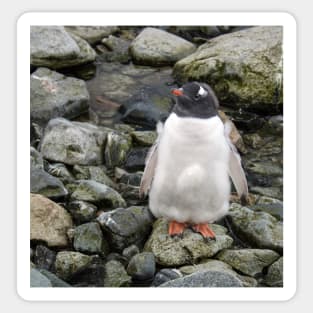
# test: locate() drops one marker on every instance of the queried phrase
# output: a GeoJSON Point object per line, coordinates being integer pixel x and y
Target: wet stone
{"type": "Point", "coordinates": [274, 276]}
{"type": "Point", "coordinates": [165, 275]}
{"type": "Point", "coordinates": [130, 251]}
{"type": "Point", "coordinates": [116, 275]}
{"type": "Point", "coordinates": [260, 229]}
{"type": "Point", "coordinates": [69, 263]}
{"type": "Point", "coordinates": [82, 211]}
{"type": "Point", "coordinates": [141, 267]}
{"type": "Point", "coordinates": [124, 227]}
{"type": "Point", "coordinates": [44, 258]}
{"type": "Point", "coordinates": [136, 159]}
{"type": "Point", "coordinates": [88, 238]}
{"type": "Point", "coordinates": [248, 261]}
{"type": "Point", "coordinates": [43, 183]}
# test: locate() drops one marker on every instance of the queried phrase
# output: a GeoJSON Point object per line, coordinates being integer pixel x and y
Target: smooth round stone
{"type": "Point", "coordinates": [141, 267]}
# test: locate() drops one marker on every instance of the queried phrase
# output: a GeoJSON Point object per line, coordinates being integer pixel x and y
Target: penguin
{"type": "Point", "coordinates": [188, 169]}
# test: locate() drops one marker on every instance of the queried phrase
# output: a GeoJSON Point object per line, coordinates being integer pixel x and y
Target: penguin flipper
{"type": "Point", "coordinates": [151, 161]}
{"type": "Point", "coordinates": [236, 171]}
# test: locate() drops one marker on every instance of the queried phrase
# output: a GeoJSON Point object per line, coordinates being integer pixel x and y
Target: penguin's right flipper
{"type": "Point", "coordinates": [236, 171]}
{"type": "Point", "coordinates": [151, 161]}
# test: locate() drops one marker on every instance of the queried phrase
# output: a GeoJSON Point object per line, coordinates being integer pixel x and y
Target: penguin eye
{"type": "Point", "coordinates": [197, 97]}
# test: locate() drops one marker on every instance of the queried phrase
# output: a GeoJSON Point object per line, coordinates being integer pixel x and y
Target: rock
{"type": "Point", "coordinates": [69, 263]}
{"type": "Point", "coordinates": [82, 211]}
{"type": "Point", "coordinates": [234, 135]}
{"type": "Point", "coordinates": [145, 115]}
{"type": "Point", "coordinates": [91, 276]}
{"type": "Point", "coordinates": [165, 275]}
{"type": "Point", "coordinates": [73, 142]}
{"type": "Point", "coordinates": [274, 276]}
{"type": "Point", "coordinates": [117, 257]}
{"type": "Point", "coordinates": [272, 192]}
{"type": "Point", "coordinates": [55, 95]}
{"type": "Point", "coordinates": [43, 183]}
{"type": "Point", "coordinates": [124, 227]}
{"type": "Point", "coordinates": [260, 229]}
{"type": "Point", "coordinates": [244, 68]}
{"type": "Point", "coordinates": [53, 47]}
{"type": "Point", "coordinates": [144, 138]}
{"type": "Point", "coordinates": [248, 261]}
{"type": "Point", "coordinates": [118, 49]}
{"type": "Point", "coordinates": [96, 173]}
{"type": "Point", "coordinates": [141, 267]}
{"type": "Point", "coordinates": [264, 168]}
{"type": "Point", "coordinates": [92, 34]}
{"type": "Point", "coordinates": [216, 265]}
{"type": "Point", "coordinates": [131, 193]}
{"type": "Point", "coordinates": [115, 275]}
{"type": "Point", "coordinates": [270, 205]}
{"type": "Point", "coordinates": [54, 280]}
{"type": "Point", "coordinates": [49, 222]}
{"type": "Point", "coordinates": [38, 280]}
{"type": "Point", "coordinates": [245, 121]}
{"type": "Point", "coordinates": [99, 194]}
{"type": "Point", "coordinates": [192, 33]}
{"type": "Point", "coordinates": [36, 160]}
{"type": "Point", "coordinates": [156, 47]}
{"type": "Point", "coordinates": [189, 249]}
{"type": "Point", "coordinates": [253, 140]}
{"type": "Point", "coordinates": [35, 134]}
{"type": "Point", "coordinates": [274, 126]}
{"type": "Point", "coordinates": [126, 178]}
{"type": "Point", "coordinates": [117, 148]}
{"type": "Point", "coordinates": [88, 238]}
{"type": "Point", "coordinates": [60, 171]}
{"type": "Point", "coordinates": [130, 251]}
{"type": "Point", "coordinates": [136, 159]}
{"type": "Point", "coordinates": [44, 258]}
{"type": "Point", "coordinates": [207, 278]}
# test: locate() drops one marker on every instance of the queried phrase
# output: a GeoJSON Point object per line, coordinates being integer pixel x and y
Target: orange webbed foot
{"type": "Point", "coordinates": [176, 228]}
{"type": "Point", "coordinates": [204, 230]}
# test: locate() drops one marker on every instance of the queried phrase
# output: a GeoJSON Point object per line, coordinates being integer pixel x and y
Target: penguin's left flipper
{"type": "Point", "coordinates": [236, 171]}
{"type": "Point", "coordinates": [151, 161]}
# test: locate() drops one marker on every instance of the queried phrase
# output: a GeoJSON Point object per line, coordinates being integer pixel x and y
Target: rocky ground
{"type": "Point", "coordinates": [96, 95]}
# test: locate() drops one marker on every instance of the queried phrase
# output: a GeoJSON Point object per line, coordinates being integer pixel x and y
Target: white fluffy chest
{"type": "Point", "coordinates": [191, 180]}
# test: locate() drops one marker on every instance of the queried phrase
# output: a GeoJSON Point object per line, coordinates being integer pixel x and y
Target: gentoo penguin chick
{"type": "Point", "coordinates": [187, 169]}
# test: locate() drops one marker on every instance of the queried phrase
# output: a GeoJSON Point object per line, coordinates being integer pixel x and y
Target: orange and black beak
{"type": "Point", "coordinates": [177, 92]}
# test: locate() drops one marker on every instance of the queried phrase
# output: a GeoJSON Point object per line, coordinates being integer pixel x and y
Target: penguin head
{"type": "Point", "coordinates": [195, 100]}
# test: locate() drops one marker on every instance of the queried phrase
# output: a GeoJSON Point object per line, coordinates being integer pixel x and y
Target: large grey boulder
{"type": "Point", "coordinates": [157, 47]}
{"type": "Point", "coordinates": [73, 142]}
{"type": "Point", "coordinates": [55, 95]}
{"type": "Point", "coordinates": [216, 265]}
{"type": "Point", "coordinates": [248, 261]}
{"type": "Point", "coordinates": [244, 68]}
{"type": "Point", "coordinates": [189, 249]}
{"type": "Point", "coordinates": [209, 278]}
{"type": "Point", "coordinates": [53, 47]}
{"type": "Point", "coordinates": [49, 222]}
{"type": "Point", "coordinates": [258, 228]}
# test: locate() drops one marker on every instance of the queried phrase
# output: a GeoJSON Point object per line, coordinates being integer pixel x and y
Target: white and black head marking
{"type": "Point", "coordinates": [195, 100]}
